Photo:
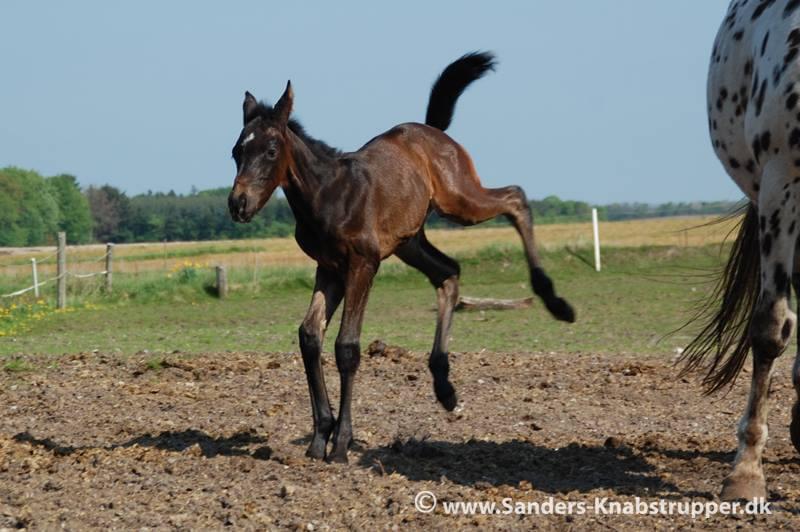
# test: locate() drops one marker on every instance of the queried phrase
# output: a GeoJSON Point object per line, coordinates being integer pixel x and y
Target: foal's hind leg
{"type": "Point", "coordinates": [770, 330]}
{"type": "Point", "coordinates": [474, 204]}
{"type": "Point", "coordinates": [327, 295]}
{"type": "Point", "coordinates": [443, 272]}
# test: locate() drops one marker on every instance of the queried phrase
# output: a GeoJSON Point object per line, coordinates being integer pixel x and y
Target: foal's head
{"type": "Point", "coordinates": [262, 155]}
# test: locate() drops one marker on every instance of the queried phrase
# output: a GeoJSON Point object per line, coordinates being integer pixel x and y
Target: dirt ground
{"type": "Point", "coordinates": [215, 441]}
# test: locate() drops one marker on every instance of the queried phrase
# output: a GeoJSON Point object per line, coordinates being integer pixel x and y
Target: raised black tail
{"type": "Point", "coordinates": [451, 83]}
{"type": "Point", "coordinates": [728, 312]}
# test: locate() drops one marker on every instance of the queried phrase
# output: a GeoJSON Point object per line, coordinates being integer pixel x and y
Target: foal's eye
{"type": "Point", "coordinates": [272, 153]}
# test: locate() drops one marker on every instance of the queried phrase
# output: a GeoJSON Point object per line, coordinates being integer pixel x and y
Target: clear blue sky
{"type": "Point", "coordinates": [597, 100]}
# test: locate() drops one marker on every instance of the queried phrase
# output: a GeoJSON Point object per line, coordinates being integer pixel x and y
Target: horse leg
{"type": "Point", "coordinates": [326, 297]}
{"type": "Point", "coordinates": [443, 273]}
{"type": "Point", "coordinates": [770, 330]}
{"type": "Point", "coordinates": [348, 350]}
{"type": "Point", "coordinates": [794, 428]}
{"type": "Point", "coordinates": [474, 204]}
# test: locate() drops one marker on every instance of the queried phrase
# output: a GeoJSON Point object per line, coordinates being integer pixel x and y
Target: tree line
{"type": "Point", "coordinates": [34, 208]}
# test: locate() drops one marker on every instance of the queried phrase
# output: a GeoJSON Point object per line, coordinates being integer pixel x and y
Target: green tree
{"type": "Point", "coordinates": [75, 217]}
{"type": "Point", "coordinates": [28, 212]}
{"type": "Point", "coordinates": [110, 209]}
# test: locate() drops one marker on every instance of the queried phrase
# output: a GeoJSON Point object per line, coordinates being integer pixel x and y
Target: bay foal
{"type": "Point", "coordinates": [353, 210]}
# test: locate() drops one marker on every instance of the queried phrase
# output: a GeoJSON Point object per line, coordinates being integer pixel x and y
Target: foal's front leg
{"type": "Point", "coordinates": [327, 296]}
{"type": "Point", "coordinates": [348, 350]}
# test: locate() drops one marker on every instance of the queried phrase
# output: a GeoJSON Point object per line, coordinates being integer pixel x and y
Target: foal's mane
{"type": "Point", "coordinates": [320, 148]}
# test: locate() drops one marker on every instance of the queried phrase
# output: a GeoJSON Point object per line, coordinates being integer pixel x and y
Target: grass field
{"type": "Point", "coordinates": [654, 274]}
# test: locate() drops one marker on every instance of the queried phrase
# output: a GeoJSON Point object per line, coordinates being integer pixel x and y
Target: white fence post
{"type": "Point", "coordinates": [61, 293]}
{"type": "Point", "coordinates": [596, 231]}
{"type": "Point", "coordinates": [35, 279]}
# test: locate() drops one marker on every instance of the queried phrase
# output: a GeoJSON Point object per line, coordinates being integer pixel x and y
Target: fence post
{"type": "Point", "coordinates": [109, 267]}
{"type": "Point", "coordinates": [61, 299]}
{"type": "Point", "coordinates": [222, 282]}
{"type": "Point", "coordinates": [596, 231]}
{"type": "Point", "coordinates": [35, 279]}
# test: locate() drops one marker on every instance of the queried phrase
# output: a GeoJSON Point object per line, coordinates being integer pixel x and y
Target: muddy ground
{"type": "Point", "coordinates": [214, 441]}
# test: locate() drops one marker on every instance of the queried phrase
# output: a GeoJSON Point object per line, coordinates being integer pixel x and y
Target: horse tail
{"type": "Point", "coordinates": [451, 83]}
{"type": "Point", "coordinates": [725, 337]}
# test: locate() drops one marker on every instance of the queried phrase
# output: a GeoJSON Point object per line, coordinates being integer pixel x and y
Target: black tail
{"type": "Point", "coordinates": [451, 83]}
{"type": "Point", "coordinates": [725, 336]}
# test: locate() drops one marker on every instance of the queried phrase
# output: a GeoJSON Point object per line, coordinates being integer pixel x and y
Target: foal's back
{"type": "Point", "coordinates": [397, 176]}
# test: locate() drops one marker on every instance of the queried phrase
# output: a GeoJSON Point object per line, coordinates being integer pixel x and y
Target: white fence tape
{"type": "Point", "coordinates": [75, 275]}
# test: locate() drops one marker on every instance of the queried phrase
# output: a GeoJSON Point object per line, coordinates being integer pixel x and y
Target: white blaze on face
{"type": "Point", "coordinates": [248, 138]}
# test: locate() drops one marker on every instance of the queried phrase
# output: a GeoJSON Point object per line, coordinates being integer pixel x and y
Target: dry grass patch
{"type": "Point", "coordinates": [284, 252]}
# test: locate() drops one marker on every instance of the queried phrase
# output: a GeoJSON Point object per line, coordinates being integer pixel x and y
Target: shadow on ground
{"type": "Point", "coordinates": [575, 467]}
{"type": "Point", "coordinates": [235, 445]}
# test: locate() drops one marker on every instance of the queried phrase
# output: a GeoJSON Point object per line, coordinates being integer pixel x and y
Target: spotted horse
{"type": "Point", "coordinates": [754, 120]}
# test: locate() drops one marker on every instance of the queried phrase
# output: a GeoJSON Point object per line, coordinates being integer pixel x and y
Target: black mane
{"type": "Point", "coordinates": [267, 113]}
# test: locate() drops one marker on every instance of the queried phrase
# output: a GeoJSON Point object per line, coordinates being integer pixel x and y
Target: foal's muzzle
{"type": "Point", "coordinates": [237, 205]}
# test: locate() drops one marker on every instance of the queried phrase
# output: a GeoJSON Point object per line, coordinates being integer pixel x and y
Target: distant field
{"type": "Point", "coordinates": [283, 252]}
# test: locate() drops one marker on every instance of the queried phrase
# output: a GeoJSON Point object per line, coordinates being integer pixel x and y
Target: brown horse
{"type": "Point", "coordinates": [355, 209]}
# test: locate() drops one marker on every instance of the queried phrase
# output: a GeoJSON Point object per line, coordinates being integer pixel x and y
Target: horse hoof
{"type": "Point", "coordinates": [336, 458]}
{"type": "Point", "coordinates": [315, 453]}
{"type": "Point", "coordinates": [450, 402]}
{"type": "Point", "coordinates": [561, 310]}
{"type": "Point", "coordinates": [743, 488]}
{"type": "Point", "coordinates": [794, 428]}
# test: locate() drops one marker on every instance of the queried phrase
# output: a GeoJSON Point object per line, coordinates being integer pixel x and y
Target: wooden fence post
{"type": "Point", "coordinates": [61, 299]}
{"type": "Point", "coordinates": [109, 267]}
{"type": "Point", "coordinates": [222, 282]}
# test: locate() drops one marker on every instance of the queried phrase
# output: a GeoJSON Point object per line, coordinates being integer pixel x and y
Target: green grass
{"type": "Point", "coordinates": [641, 295]}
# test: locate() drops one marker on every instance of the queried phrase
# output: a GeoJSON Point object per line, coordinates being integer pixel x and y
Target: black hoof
{"type": "Point", "coordinates": [446, 395]}
{"type": "Point", "coordinates": [337, 457]}
{"type": "Point", "coordinates": [561, 310]}
{"type": "Point", "coordinates": [316, 451]}
{"type": "Point", "coordinates": [794, 428]}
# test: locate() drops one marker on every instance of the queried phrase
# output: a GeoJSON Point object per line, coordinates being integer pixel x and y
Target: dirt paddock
{"type": "Point", "coordinates": [206, 442]}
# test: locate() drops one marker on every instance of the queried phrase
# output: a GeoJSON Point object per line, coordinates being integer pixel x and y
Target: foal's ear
{"type": "Point", "coordinates": [249, 106]}
{"type": "Point", "coordinates": [284, 105]}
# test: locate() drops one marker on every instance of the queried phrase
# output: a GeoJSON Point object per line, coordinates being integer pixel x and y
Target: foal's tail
{"type": "Point", "coordinates": [728, 324]}
{"type": "Point", "coordinates": [451, 83]}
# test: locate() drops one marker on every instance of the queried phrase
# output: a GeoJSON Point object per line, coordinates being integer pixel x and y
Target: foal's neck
{"type": "Point", "coordinates": [308, 171]}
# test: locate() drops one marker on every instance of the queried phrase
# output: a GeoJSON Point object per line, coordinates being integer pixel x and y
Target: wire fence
{"type": "Point", "coordinates": [34, 286]}
{"type": "Point", "coordinates": [63, 273]}
{"type": "Point", "coordinates": [84, 261]}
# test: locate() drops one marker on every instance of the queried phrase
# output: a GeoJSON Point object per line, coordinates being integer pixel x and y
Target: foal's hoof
{"type": "Point", "coordinates": [316, 448]}
{"type": "Point", "coordinates": [794, 428]}
{"type": "Point", "coordinates": [741, 487]}
{"type": "Point", "coordinates": [561, 310]}
{"type": "Point", "coordinates": [315, 452]}
{"type": "Point", "coordinates": [446, 395]}
{"type": "Point", "coordinates": [450, 402]}
{"type": "Point", "coordinates": [337, 457]}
